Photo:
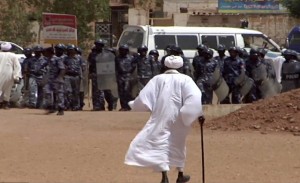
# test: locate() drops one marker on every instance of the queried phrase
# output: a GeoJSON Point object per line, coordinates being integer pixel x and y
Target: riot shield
{"type": "Point", "coordinates": [106, 74]}
{"type": "Point", "coordinates": [290, 75]}
{"type": "Point", "coordinates": [268, 86]}
{"type": "Point", "coordinates": [244, 82]}
{"type": "Point", "coordinates": [219, 85]}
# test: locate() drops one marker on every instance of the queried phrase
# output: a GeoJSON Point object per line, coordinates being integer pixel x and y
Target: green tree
{"type": "Point", "coordinates": [14, 23]}
{"type": "Point", "coordinates": [293, 6]}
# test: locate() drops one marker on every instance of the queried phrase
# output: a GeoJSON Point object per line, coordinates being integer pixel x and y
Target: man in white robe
{"type": "Point", "coordinates": [10, 73]}
{"type": "Point", "coordinates": [174, 101]}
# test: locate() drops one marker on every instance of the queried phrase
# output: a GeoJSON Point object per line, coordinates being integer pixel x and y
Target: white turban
{"type": "Point", "coordinates": [174, 62]}
{"type": "Point", "coordinates": [5, 46]}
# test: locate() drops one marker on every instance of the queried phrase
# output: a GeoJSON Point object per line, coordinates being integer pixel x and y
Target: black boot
{"type": "Point", "coordinates": [60, 112]}
{"type": "Point", "coordinates": [182, 178]}
{"type": "Point", "coordinates": [5, 105]}
{"type": "Point", "coordinates": [164, 178]}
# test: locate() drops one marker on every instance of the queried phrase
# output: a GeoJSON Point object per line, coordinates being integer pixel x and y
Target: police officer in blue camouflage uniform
{"type": "Point", "coordinates": [97, 95]}
{"type": "Point", "coordinates": [82, 83]}
{"type": "Point", "coordinates": [221, 57]}
{"type": "Point", "coordinates": [153, 54]}
{"type": "Point", "coordinates": [205, 70]}
{"type": "Point", "coordinates": [125, 67]}
{"type": "Point", "coordinates": [60, 50]}
{"type": "Point", "coordinates": [73, 73]}
{"type": "Point", "coordinates": [144, 67]}
{"type": "Point", "coordinates": [198, 59]}
{"type": "Point", "coordinates": [233, 66]}
{"type": "Point", "coordinates": [54, 88]}
{"type": "Point", "coordinates": [36, 82]}
{"type": "Point", "coordinates": [25, 72]}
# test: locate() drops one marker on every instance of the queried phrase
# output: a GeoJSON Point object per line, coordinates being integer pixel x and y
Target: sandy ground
{"type": "Point", "coordinates": [89, 147]}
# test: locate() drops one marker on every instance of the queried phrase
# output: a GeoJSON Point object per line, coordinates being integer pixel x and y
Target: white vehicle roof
{"type": "Point", "coordinates": [182, 30]}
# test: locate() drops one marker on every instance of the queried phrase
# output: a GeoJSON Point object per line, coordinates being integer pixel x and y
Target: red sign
{"type": "Point", "coordinates": [59, 28]}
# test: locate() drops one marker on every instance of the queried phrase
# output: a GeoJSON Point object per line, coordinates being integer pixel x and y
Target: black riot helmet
{"type": "Point", "coordinates": [208, 53]}
{"type": "Point", "coordinates": [262, 52]}
{"type": "Point", "coordinates": [233, 51]}
{"type": "Point", "coordinates": [38, 48]}
{"type": "Point", "coordinates": [254, 54]}
{"type": "Point", "coordinates": [60, 46]}
{"type": "Point", "coordinates": [176, 50]}
{"type": "Point", "coordinates": [142, 49]}
{"type": "Point", "coordinates": [27, 51]}
{"type": "Point", "coordinates": [154, 52]}
{"type": "Point", "coordinates": [78, 50]}
{"type": "Point", "coordinates": [71, 47]}
{"type": "Point", "coordinates": [99, 42]}
{"type": "Point", "coordinates": [221, 47]}
{"type": "Point", "coordinates": [124, 47]}
{"type": "Point", "coordinates": [201, 47]}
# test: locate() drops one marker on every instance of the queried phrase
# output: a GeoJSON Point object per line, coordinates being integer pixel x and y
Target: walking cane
{"type": "Point", "coordinates": [201, 120]}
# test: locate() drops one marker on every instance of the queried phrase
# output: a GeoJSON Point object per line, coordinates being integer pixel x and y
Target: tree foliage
{"type": "Point", "coordinates": [293, 6]}
{"type": "Point", "coordinates": [14, 23]}
{"type": "Point", "coordinates": [16, 15]}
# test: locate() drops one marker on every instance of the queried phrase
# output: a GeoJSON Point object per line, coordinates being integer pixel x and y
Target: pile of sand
{"type": "Point", "coordinates": [278, 113]}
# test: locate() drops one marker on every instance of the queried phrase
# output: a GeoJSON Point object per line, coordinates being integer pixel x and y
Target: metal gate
{"type": "Point", "coordinates": [103, 30]}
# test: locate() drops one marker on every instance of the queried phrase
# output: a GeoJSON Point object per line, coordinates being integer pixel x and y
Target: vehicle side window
{"type": "Point", "coordinates": [161, 41]}
{"type": "Point", "coordinates": [210, 41]}
{"type": "Point", "coordinates": [16, 49]}
{"type": "Point", "coordinates": [132, 39]}
{"type": "Point", "coordinates": [227, 41]}
{"type": "Point", "coordinates": [187, 42]}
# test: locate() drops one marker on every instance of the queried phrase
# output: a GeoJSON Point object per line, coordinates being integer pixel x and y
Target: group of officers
{"type": "Point", "coordinates": [54, 77]}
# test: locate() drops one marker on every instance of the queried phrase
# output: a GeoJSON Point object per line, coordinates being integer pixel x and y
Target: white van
{"type": "Point", "coordinates": [188, 38]}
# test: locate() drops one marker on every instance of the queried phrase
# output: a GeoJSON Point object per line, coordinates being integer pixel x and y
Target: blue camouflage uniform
{"type": "Point", "coordinates": [73, 66]}
{"type": "Point", "coordinates": [54, 88]}
{"type": "Point", "coordinates": [36, 82]}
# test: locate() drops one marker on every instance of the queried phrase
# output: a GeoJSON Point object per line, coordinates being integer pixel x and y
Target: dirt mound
{"type": "Point", "coordinates": [278, 113]}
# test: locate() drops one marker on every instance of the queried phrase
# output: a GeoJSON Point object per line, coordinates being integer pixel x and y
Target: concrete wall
{"type": "Point", "coordinates": [137, 16]}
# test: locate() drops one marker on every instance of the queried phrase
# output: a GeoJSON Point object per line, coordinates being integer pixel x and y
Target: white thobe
{"type": "Point", "coordinates": [10, 69]}
{"type": "Point", "coordinates": [174, 101]}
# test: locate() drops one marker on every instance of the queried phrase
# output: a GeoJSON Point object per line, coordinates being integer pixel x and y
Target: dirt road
{"type": "Point", "coordinates": [89, 147]}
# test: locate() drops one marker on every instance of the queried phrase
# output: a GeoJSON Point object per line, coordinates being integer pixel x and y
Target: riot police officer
{"type": "Point", "coordinates": [205, 69]}
{"type": "Point", "coordinates": [153, 54]}
{"type": "Point", "coordinates": [25, 72]}
{"type": "Point", "coordinates": [73, 66]}
{"type": "Point", "coordinates": [125, 67]}
{"type": "Point", "coordinates": [36, 78]}
{"type": "Point", "coordinates": [233, 67]}
{"type": "Point", "coordinates": [187, 66]}
{"type": "Point", "coordinates": [97, 95]}
{"type": "Point", "coordinates": [167, 53]}
{"type": "Point", "coordinates": [54, 88]}
{"type": "Point", "coordinates": [82, 78]}
{"type": "Point", "coordinates": [198, 59]}
{"type": "Point", "coordinates": [290, 72]}
{"type": "Point", "coordinates": [221, 57]}
{"type": "Point", "coordinates": [144, 67]}
{"type": "Point", "coordinates": [60, 50]}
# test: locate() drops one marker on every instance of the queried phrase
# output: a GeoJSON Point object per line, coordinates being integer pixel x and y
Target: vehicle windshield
{"type": "Point", "coordinates": [295, 39]}
{"type": "Point", "coordinates": [132, 39]}
{"type": "Point", "coordinates": [258, 41]}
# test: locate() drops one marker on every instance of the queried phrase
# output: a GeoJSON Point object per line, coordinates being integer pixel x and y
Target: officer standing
{"type": "Point", "coordinates": [205, 70]}
{"type": "Point", "coordinates": [198, 59]}
{"type": "Point", "coordinates": [36, 74]}
{"type": "Point", "coordinates": [167, 53]}
{"type": "Point", "coordinates": [221, 57]}
{"type": "Point", "coordinates": [54, 88]}
{"type": "Point", "coordinates": [233, 67]}
{"type": "Point", "coordinates": [97, 95]}
{"type": "Point", "coordinates": [73, 67]}
{"type": "Point", "coordinates": [290, 71]}
{"type": "Point", "coordinates": [153, 54]}
{"type": "Point", "coordinates": [82, 77]}
{"type": "Point", "coordinates": [144, 67]}
{"type": "Point", "coordinates": [60, 50]}
{"type": "Point", "coordinates": [187, 66]}
{"type": "Point", "coordinates": [125, 67]}
{"type": "Point", "coordinates": [25, 73]}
